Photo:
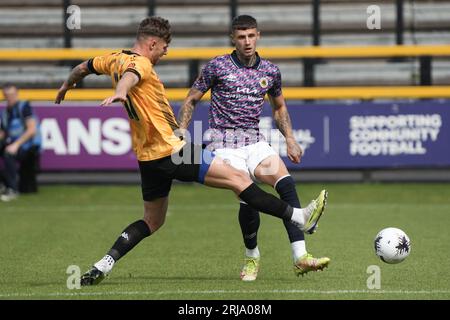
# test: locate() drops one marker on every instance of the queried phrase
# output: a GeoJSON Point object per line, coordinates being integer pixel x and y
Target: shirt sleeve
{"type": "Point", "coordinates": [140, 66]}
{"type": "Point", "coordinates": [100, 65]}
{"type": "Point", "coordinates": [275, 90]}
{"type": "Point", "coordinates": [207, 78]}
{"type": "Point", "coordinates": [27, 111]}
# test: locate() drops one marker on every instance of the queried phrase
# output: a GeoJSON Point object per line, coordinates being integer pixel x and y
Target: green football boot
{"type": "Point", "coordinates": [308, 263]}
{"type": "Point", "coordinates": [316, 209]}
{"type": "Point", "coordinates": [250, 269]}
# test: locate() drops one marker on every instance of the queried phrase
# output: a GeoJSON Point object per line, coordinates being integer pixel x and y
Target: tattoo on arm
{"type": "Point", "coordinates": [78, 73]}
{"type": "Point", "coordinates": [186, 110]}
{"type": "Point", "coordinates": [283, 122]}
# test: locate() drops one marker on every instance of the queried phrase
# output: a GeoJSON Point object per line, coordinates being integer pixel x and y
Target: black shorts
{"type": "Point", "coordinates": [190, 164]}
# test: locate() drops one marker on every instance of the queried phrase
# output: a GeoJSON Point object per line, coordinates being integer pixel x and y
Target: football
{"type": "Point", "coordinates": [392, 245]}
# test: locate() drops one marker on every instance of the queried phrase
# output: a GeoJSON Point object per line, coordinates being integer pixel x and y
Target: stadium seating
{"type": "Point", "coordinates": [112, 23]}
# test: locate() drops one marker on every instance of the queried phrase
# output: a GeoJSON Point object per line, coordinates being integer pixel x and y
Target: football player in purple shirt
{"type": "Point", "coordinates": [239, 82]}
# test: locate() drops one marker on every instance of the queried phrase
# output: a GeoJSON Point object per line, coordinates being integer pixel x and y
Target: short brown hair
{"type": "Point", "coordinates": [9, 85]}
{"type": "Point", "coordinates": [243, 22]}
{"type": "Point", "coordinates": [155, 26]}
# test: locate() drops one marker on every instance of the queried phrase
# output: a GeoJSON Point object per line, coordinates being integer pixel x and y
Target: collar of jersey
{"type": "Point", "coordinates": [15, 105]}
{"type": "Point", "coordinates": [238, 63]}
{"type": "Point", "coordinates": [129, 52]}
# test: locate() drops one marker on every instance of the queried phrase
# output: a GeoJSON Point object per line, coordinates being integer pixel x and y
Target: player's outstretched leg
{"type": "Point", "coordinates": [220, 175]}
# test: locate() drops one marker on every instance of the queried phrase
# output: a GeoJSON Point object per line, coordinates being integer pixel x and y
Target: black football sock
{"type": "Point", "coordinates": [286, 189]}
{"type": "Point", "coordinates": [266, 202]}
{"type": "Point", "coordinates": [249, 222]}
{"type": "Point", "coordinates": [129, 238]}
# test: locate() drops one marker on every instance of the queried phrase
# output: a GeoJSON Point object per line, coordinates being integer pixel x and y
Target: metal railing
{"type": "Point", "coordinates": [290, 93]}
{"type": "Point", "coordinates": [195, 55]}
{"type": "Point", "coordinates": [308, 55]}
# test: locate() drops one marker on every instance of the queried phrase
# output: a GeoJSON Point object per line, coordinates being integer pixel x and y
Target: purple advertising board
{"type": "Point", "coordinates": [333, 136]}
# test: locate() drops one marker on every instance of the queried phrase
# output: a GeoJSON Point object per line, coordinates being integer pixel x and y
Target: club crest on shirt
{"type": "Point", "coordinates": [263, 82]}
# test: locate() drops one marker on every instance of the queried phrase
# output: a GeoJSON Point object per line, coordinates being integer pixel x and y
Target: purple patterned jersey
{"type": "Point", "coordinates": [237, 91]}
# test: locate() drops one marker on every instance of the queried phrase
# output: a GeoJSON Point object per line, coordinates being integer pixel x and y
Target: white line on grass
{"type": "Point", "coordinates": [202, 292]}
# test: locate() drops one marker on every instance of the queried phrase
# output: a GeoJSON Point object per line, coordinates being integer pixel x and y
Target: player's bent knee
{"type": "Point", "coordinates": [154, 223]}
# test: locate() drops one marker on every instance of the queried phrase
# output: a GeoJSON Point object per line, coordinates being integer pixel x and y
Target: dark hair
{"type": "Point", "coordinates": [155, 26]}
{"type": "Point", "coordinates": [243, 22]}
{"type": "Point", "coordinates": [9, 85]}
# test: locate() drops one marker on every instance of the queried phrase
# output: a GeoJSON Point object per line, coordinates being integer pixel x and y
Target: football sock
{"type": "Point", "coordinates": [129, 238]}
{"type": "Point", "coordinates": [252, 253]}
{"type": "Point", "coordinates": [105, 264]}
{"type": "Point", "coordinates": [285, 187]}
{"type": "Point", "coordinates": [266, 202]}
{"type": "Point", "coordinates": [298, 249]}
{"type": "Point", "coordinates": [298, 217]}
{"type": "Point", "coordinates": [249, 222]}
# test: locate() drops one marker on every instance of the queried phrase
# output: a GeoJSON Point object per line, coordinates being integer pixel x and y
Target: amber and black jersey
{"type": "Point", "coordinates": [152, 120]}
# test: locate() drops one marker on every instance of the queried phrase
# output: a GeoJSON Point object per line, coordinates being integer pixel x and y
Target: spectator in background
{"type": "Point", "coordinates": [19, 145]}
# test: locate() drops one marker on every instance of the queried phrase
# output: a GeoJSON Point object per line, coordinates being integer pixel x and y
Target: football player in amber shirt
{"type": "Point", "coordinates": [151, 117]}
{"type": "Point", "coordinates": [162, 154]}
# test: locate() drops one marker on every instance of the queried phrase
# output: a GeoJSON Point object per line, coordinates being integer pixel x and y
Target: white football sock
{"type": "Point", "coordinates": [298, 217]}
{"type": "Point", "coordinates": [252, 253]}
{"type": "Point", "coordinates": [298, 249]}
{"type": "Point", "coordinates": [105, 264]}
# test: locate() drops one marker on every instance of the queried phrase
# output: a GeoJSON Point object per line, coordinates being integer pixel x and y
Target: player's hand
{"type": "Point", "coordinates": [182, 133]}
{"type": "Point", "coordinates": [12, 149]}
{"type": "Point", "coordinates": [62, 92]}
{"type": "Point", "coordinates": [294, 151]}
{"type": "Point", "coordinates": [114, 98]}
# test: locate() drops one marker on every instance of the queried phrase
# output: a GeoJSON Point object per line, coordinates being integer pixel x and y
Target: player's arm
{"type": "Point", "coordinates": [128, 81]}
{"type": "Point", "coordinates": [205, 81]}
{"type": "Point", "coordinates": [30, 131]}
{"type": "Point", "coordinates": [188, 107]}
{"type": "Point", "coordinates": [283, 123]}
{"type": "Point", "coordinates": [77, 73]}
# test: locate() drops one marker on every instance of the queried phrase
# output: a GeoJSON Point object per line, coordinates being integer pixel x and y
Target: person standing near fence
{"type": "Point", "coordinates": [20, 144]}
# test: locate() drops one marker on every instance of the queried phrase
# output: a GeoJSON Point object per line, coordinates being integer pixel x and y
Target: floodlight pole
{"type": "Point", "coordinates": [151, 7]}
{"type": "Point", "coordinates": [316, 23]}
{"type": "Point", "coordinates": [309, 63]}
{"type": "Point", "coordinates": [233, 9]}
{"type": "Point", "coordinates": [66, 32]}
{"type": "Point", "coordinates": [399, 30]}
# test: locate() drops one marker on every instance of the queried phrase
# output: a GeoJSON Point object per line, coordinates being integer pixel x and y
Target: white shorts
{"type": "Point", "coordinates": [246, 158]}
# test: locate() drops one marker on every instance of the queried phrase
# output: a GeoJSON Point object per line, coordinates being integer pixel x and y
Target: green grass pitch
{"type": "Point", "coordinates": [198, 252]}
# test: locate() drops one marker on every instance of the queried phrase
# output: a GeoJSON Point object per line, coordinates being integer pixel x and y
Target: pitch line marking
{"type": "Point", "coordinates": [200, 292]}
